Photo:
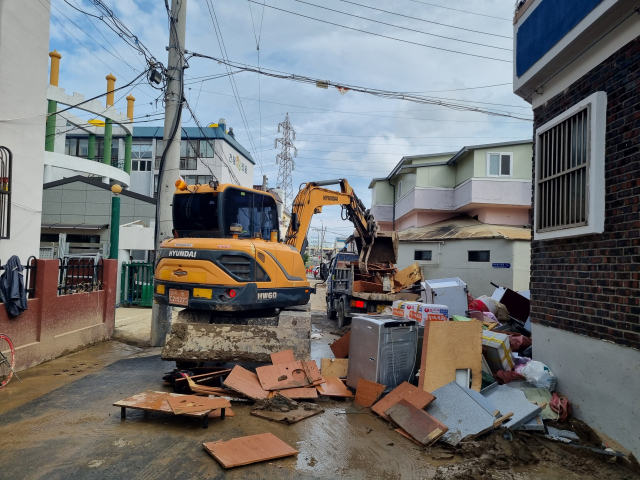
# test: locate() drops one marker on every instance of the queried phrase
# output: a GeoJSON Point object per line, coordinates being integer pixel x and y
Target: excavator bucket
{"type": "Point", "coordinates": [384, 249]}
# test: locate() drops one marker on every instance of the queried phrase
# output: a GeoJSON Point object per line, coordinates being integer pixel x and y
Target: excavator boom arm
{"type": "Point", "coordinates": [313, 196]}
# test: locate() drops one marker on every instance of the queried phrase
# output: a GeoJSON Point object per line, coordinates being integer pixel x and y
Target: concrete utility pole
{"type": "Point", "coordinates": [161, 315]}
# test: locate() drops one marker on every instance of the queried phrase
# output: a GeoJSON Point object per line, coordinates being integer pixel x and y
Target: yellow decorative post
{"type": "Point", "coordinates": [127, 143]}
{"type": "Point", "coordinates": [108, 127]}
{"type": "Point", "coordinates": [52, 108]}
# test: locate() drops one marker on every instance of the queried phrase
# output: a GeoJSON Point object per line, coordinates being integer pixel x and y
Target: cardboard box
{"type": "Point", "coordinates": [403, 308]}
{"type": "Point", "coordinates": [497, 351]}
{"type": "Point", "coordinates": [430, 313]}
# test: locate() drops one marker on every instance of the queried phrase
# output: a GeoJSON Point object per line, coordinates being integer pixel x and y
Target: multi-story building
{"type": "Point", "coordinates": [578, 63]}
{"type": "Point", "coordinates": [462, 214]}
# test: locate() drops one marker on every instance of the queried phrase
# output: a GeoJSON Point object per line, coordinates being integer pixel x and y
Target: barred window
{"type": "Point", "coordinates": [569, 171]}
{"type": "Point", "coordinates": [563, 170]}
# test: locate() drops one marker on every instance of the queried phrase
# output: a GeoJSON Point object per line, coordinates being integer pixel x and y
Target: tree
{"type": "Point", "coordinates": [305, 258]}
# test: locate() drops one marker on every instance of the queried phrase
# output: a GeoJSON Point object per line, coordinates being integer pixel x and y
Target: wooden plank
{"type": "Point", "coordinates": [333, 387]}
{"type": "Point", "coordinates": [218, 392]}
{"type": "Point", "coordinates": [247, 450]}
{"type": "Point", "coordinates": [362, 286]}
{"type": "Point", "coordinates": [406, 435]}
{"type": "Point", "coordinates": [288, 375]}
{"type": "Point", "coordinates": [340, 347]}
{"type": "Point", "coordinates": [334, 367]}
{"type": "Point", "coordinates": [285, 356]}
{"type": "Point", "coordinates": [153, 402]}
{"type": "Point", "coordinates": [368, 392]}
{"type": "Point", "coordinates": [193, 404]}
{"type": "Point", "coordinates": [298, 393]}
{"type": "Point", "coordinates": [181, 383]}
{"type": "Point", "coordinates": [243, 381]}
{"type": "Point", "coordinates": [412, 394]}
{"type": "Point", "coordinates": [292, 416]}
{"type": "Point", "coordinates": [449, 346]}
{"type": "Point", "coordinates": [416, 422]}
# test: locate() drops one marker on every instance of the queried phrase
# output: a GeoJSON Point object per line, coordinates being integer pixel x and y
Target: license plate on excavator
{"type": "Point", "coordinates": [179, 297]}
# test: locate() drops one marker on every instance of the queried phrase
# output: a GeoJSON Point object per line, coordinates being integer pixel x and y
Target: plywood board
{"type": "Point", "coordinates": [153, 402]}
{"type": "Point", "coordinates": [407, 277]}
{"type": "Point", "coordinates": [340, 347]}
{"type": "Point", "coordinates": [412, 394]}
{"type": "Point", "coordinates": [449, 346]}
{"type": "Point", "coordinates": [297, 393]}
{"type": "Point", "coordinates": [333, 387]}
{"type": "Point", "coordinates": [288, 375]}
{"type": "Point", "coordinates": [243, 381]}
{"type": "Point", "coordinates": [247, 450]}
{"type": "Point", "coordinates": [193, 404]}
{"type": "Point", "coordinates": [285, 356]}
{"type": "Point", "coordinates": [292, 416]}
{"type": "Point", "coordinates": [416, 422]}
{"type": "Point", "coordinates": [334, 367]}
{"type": "Point", "coordinates": [368, 392]}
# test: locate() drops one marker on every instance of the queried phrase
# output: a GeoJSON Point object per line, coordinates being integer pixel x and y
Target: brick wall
{"type": "Point", "coordinates": [589, 284]}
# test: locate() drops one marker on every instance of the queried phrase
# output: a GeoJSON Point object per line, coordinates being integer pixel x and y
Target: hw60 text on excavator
{"type": "Point", "coordinates": [244, 291]}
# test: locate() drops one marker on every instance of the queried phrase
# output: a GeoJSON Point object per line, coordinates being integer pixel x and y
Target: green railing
{"type": "Point", "coordinates": [136, 284]}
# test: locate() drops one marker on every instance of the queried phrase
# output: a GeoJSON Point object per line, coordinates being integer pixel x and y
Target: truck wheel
{"type": "Point", "coordinates": [331, 314]}
{"type": "Point", "coordinates": [341, 316]}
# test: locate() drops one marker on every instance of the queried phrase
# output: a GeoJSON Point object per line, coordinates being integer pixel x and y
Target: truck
{"type": "Point", "coordinates": [244, 290]}
{"type": "Point", "coordinates": [343, 302]}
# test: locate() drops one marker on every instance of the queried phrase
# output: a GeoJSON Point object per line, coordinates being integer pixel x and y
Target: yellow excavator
{"type": "Point", "coordinates": [226, 254]}
{"type": "Point", "coordinates": [228, 266]}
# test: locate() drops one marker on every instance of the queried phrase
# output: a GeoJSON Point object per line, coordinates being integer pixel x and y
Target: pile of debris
{"type": "Point", "coordinates": [384, 277]}
{"type": "Point", "coordinates": [475, 374]}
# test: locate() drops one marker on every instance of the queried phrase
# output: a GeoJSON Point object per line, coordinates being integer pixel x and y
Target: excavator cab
{"type": "Point", "coordinates": [226, 256]}
{"type": "Point", "coordinates": [229, 213]}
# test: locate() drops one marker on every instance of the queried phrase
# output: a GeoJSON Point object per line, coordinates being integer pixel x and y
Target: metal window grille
{"type": "Point", "coordinates": [562, 173]}
{"type": "Point", "coordinates": [79, 274]}
{"type": "Point", "coordinates": [6, 160]}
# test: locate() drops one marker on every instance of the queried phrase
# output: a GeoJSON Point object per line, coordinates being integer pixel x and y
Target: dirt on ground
{"type": "Point", "coordinates": [497, 456]}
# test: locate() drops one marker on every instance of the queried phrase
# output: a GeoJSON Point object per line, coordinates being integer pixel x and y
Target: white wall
{"type": "Point", "coordinates": [59, 166]}
{"type": "Point", "coordinates": [453, 262]}
{"type": "Point", "coordinates": [24, 47]}
{"type": "Point", "coordinates": [598, 377]}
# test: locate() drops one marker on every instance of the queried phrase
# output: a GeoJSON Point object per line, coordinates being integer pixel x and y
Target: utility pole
{"type": "Point", "coordinates": [285, 160]}
{"type": "Point", "coordinates": [161, 314]}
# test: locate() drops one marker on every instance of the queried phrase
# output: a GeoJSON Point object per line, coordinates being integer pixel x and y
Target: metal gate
{"type": "Point", "coordinates": [136, 284]}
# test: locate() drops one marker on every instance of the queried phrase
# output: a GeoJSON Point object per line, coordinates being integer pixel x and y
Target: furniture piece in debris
{"type": "Point", "coordinates": [151, 401]}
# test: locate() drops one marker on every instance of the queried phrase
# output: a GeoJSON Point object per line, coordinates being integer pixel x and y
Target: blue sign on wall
{"type": "Point", "coordinates": [501, 265]}
{"type": "Point", "coordinates": [546, 26]}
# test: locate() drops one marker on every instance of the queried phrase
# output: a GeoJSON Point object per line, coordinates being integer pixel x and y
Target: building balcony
{"type": "Point", "coordinates": [58, 166]}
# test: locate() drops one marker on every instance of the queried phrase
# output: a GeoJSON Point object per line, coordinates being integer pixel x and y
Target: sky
{"type": "Point", "coordinates": [440, 48]}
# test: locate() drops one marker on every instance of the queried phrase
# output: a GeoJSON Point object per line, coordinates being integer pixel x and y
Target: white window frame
{"type": "Point", "coordinates": [595, 177]}
{"type": "Point", "coordinates": [500, 164]}
{"type": "Point", "coordinates": [399, 190]}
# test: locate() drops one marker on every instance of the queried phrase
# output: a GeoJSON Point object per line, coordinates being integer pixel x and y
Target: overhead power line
{"type": "Point", "coordinates": [403, 28]}
{"type": "Point", "coordinates": [371, 91]}
{"type": "Point", "coordinates": [423, 20]}
{"type": "Point", "coordinates": [383, 36]}
{"type": "Point", "coordinates": [462, 11]}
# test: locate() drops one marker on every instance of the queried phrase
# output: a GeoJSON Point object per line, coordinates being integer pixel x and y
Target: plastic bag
{"type": "Point", "coordinates": [539, 375]}
{"type": "Point", "coordinates": [495, 307]}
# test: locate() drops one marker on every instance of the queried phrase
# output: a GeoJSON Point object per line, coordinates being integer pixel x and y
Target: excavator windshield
{"type": "Point", "coordinates": [211, 214]}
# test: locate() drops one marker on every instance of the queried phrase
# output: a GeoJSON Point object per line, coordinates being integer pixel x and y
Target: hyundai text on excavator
{"type": "Point", "coordinates": [244, 291]}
